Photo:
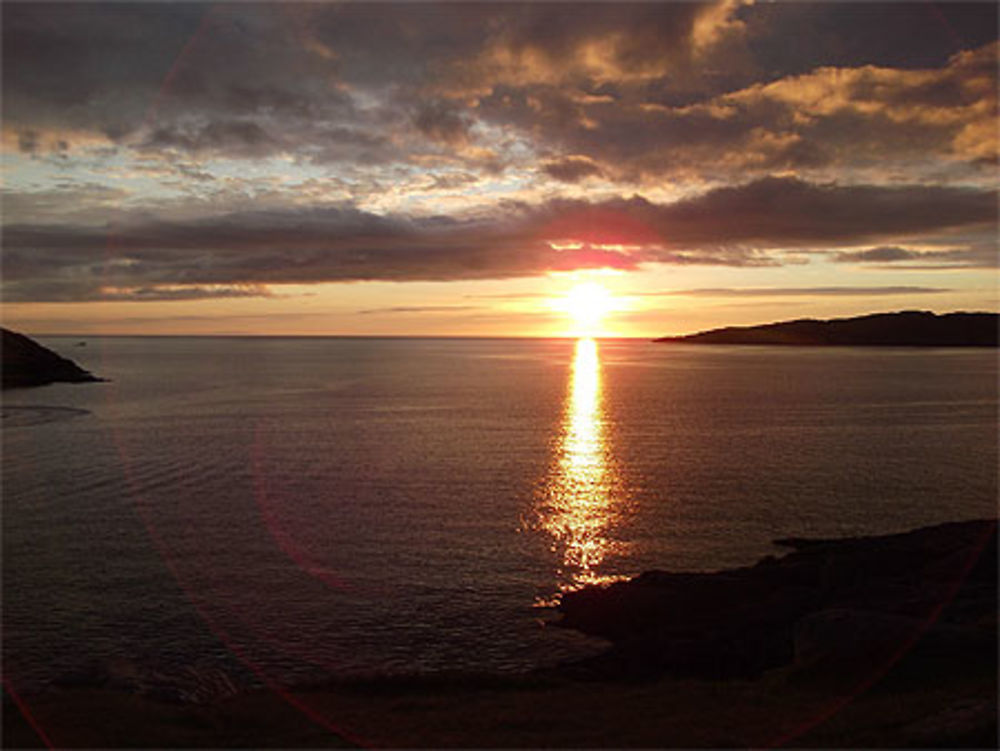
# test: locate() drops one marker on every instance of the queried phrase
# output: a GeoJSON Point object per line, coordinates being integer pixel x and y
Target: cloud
{"type": "Point", "coordinates": [27, 141]}
{"type": "Point", "coordinates": [304, 246]}
{"type": "Point", "coordinates": [66, 203]}
{"type": "Point", "coordinates": [95, 289]}
{"type": "Point", "coordinates": [442, 121]}
{"type": "Point", "coordinates": [870, 120]}
{"type": "Point", "coordinates": [234, 137]}
{"type": "Point", "coordinates": [418, 309]}
{"type": "Point", "coordinates": [545, 44]}
{"type": "Point", "coordinates": [164, 293]}
{"type": "Point", "coordinates": [748, 225]}
{"type": "Point", "coordinates": [58, 69]}
{"type": "Point", "coordinates": [775, 212]}
{"type": "Point", "coordinates": [795, 291]}
{"type": "Point", "coordinates": [797, 37]}
{"type": "Point", "coordinates": [873, 113]}
{"type": "Point", "coordinates": [571, 169]}
{"type": "Point", "coordinates": [511, 296]}
{"type": "Point", "coordinates": [193, 79]}
{"type": "Point", "coordinates": [983, 255]}
{"type": "Point", "coordinates": [638, 92]}
{"type": "Point", "coordinates": [881, 254]}
{"type": "Point", "coordinates": [738, 225]}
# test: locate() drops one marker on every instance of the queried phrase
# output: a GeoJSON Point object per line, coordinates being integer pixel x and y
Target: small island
{"type": "Point", "coordinates": [28, 363]}
{"type": "Point", "coordinates": [911, 328]}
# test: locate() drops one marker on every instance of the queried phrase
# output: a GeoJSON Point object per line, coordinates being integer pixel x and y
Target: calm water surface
{"type": "Point", "coordinates": [288, 509]}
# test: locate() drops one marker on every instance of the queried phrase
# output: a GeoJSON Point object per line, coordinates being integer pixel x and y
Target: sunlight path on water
{"type": "Point", "coordinates": [582, 502]}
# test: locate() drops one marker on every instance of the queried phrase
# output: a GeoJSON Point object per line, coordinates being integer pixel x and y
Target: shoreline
{"type": "Point", "coordinates": [893, 673]}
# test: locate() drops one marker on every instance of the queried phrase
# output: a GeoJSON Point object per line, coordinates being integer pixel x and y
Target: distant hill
{"type": "Point", "coordinates": [27, 363]}
{"type": "Point", "coordinates": [911, 328]}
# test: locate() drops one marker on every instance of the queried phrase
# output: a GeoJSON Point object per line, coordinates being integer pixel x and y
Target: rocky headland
{"type": "Point", "coordinates": [911, 328]}
{"type": "Point", "coordinates": [25, 362]}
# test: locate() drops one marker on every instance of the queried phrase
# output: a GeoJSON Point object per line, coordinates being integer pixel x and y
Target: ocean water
{"type": "Point", "coordinates": [284, 510]}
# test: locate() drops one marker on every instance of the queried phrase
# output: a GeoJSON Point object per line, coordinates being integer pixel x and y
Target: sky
{"type": "Point", "coordinates": [466, 169]}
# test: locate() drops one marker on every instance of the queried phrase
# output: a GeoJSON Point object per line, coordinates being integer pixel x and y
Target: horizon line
{"type": "Point", "coordinates": [78, 335]}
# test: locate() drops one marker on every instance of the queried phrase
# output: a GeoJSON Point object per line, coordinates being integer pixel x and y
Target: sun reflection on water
{"type": "Point", "coordinates": [582, 500]}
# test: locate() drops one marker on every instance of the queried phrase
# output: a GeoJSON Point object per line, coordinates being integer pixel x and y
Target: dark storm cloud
{"type": "Point", "coordinates": [740, 226]}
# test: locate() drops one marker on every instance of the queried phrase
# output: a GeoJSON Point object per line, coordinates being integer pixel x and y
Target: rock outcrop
{"type": "Point", "coordinates": [27, 363]}
{"type": "Point", "coordinates": [931, 593]}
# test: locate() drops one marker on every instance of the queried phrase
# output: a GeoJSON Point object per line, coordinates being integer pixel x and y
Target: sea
{"type": "Point", "coordinates": [284, 511]}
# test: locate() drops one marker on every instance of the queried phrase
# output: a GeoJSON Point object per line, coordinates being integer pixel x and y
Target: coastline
{"type": "Point", "coordinates": [907, 328]}
{"type": "Point", "coordinates": [908, 665]}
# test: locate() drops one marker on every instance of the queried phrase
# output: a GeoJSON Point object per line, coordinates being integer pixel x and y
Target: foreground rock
{"type": "Point", "coordinates": [832, 608]}
{"type": "Point", "coordinates": [880, 642]}
{"type": "Point", "coordinates": [27, 363]}
{"type": "Point", "coordinates": [910, 328]}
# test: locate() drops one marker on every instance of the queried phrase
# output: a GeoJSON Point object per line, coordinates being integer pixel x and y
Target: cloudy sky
{"type": "Point", "coordinates": [459, 168]}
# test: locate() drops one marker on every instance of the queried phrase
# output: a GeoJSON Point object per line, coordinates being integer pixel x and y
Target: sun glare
{"type": "Point", "coordinates": [587, 304]}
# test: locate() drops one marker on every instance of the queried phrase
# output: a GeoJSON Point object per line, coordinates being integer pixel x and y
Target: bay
{"type": "Point", "coordinates": [289, 509]}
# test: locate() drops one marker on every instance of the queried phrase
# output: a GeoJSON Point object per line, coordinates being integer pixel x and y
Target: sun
{"type": "Point", "coordinates": [587, 304]}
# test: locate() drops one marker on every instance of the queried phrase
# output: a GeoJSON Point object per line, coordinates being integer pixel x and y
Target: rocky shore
{"type": "Point", "coordinates": [873, 642]}
{"type": "Point", "coordinates": [826, 605]}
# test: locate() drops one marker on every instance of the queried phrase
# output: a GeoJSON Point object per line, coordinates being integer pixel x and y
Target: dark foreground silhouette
{"type": "Point", "coordinates": [910, 328]}
{"type": "Point", "coordinates": [829, 604]}
{"type": "Point", "coordinates": [27, 363]}
{"type": "Point", "coordinates": [859, 643]}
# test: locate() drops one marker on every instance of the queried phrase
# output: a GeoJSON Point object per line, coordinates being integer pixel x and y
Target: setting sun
{"type": "Point", "coordinates": [587, 304]}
